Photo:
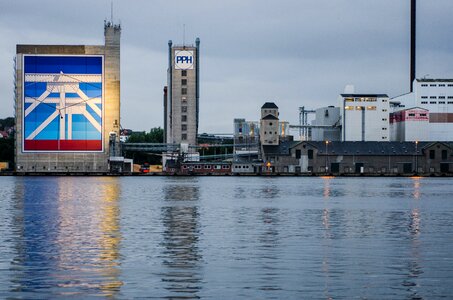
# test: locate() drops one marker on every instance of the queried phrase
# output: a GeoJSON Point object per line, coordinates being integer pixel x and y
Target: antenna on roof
{"type": "Point", "coordinates": [111, 11]}
{"type": "Point", "coordinates": [183, 34]}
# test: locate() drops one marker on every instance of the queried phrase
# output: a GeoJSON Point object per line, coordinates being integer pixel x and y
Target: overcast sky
{"type": "Point", "coordinates": [295, 53]}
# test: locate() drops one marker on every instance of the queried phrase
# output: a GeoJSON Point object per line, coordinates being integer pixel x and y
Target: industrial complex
{"type": "Point", "coordinates": [68, 121]}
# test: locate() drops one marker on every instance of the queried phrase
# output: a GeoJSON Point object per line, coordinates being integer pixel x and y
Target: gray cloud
{"type": "Point", "coordinates": [292, 52]}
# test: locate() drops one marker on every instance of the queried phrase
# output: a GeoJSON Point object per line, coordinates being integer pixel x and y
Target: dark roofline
{"type": "Point", "coordinates": [365, 95]}
{"type": "Point", "coordinates": [269, 105]}
{"type": "Point", "coordinates": [433, 80]}
{"type": "Point", "coordinates": [270, 117]}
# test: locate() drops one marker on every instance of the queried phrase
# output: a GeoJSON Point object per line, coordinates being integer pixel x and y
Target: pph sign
{"type": "Point", "coordinates": [184, 60]}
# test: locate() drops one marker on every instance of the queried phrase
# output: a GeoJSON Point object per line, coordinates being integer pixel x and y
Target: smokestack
{"type": "Point", "coordinates": [413, 35]}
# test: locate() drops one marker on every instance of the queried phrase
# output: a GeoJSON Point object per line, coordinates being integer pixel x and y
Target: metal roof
{"type": "Point", "coordinates": [270, 117]}
{"type": "Point", "coordinates": [269, 105]}
{"type": "Point", "coordinates": [434, 80]}
{"type": "Point", "coordinates": [364, 95]}
{"type": "Point", "coordinates": [372, 148]}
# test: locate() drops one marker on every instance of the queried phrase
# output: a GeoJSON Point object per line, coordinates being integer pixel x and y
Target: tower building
{"type": "Point", "coordinates": [269, 124]}
{"type": "Point", "coordinates": [68, 105]}
{"type": "Point", "coordinates": [181, 108]}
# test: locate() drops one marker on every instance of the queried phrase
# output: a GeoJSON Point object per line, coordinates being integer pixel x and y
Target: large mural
{"type": "Point", "coordinates": [63, 103]}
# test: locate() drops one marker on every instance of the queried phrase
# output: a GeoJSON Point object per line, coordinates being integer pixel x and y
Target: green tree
{"type": "Point", "coordinates": [155, 135]}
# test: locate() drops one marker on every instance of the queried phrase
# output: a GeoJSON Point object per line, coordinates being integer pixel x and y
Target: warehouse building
{"type": "Point", "coordinates": [68, 106]}
{"type": "Point", "coordinates": [366, 158]}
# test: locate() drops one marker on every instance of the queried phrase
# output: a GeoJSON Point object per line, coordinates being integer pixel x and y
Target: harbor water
{"type": "Point", "coordinates": [226, 237]}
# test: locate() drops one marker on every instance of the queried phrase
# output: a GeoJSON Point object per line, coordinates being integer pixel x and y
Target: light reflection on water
{"type": "Point", "coordinates": [226, 237]}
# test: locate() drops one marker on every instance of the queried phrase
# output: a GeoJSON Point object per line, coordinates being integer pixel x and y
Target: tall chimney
{"type": "Point", "coordinates": [413, 35]}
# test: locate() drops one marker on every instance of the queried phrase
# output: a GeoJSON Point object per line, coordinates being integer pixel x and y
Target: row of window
{"type": "Point", "coordinates": [435, 97]}
{"type": "Point", "coordinates": [435, 102]}
{"type": "Point", "coordinates": [208, 167]}
{"type": "Point", "coordinates": [363, 99]}
{"type": "Point", "coordinates": [350, 107]}
{"type": "Point", "coordinates": [439, 85]}
{"type": "Point", "coordinates": [413, 115]}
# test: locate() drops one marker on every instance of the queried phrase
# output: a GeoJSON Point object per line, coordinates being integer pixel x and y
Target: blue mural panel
{"type": "Point", "coordinates": [63, 103]}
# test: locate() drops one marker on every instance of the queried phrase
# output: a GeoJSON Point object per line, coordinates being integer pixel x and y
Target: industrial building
{"type": "Point", "coordinates": [364, 117]}
{"type": "Point", "coordinates": [181, 96]}
{"type": "Point", "coordinates": [410, 124]}
{"type": "Point", "coordinates": [435, 96]}
{"type": "Point", "coordinates": [68, 106]}
{"type": "Point", "coordinates": [327, 124]}
{"type": "Point", "coordinates": [366, 158]}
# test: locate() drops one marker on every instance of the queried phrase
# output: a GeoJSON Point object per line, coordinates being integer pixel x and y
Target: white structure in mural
{"type": "Point", "coordinates": [65, 108]}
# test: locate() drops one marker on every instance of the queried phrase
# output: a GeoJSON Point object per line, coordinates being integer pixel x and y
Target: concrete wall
{"type": "Point", "coordinates": [176, 100]}
{"type": "Point", "coordinates": [74, 161]}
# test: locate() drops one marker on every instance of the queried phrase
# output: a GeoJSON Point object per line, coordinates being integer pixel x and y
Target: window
{"type": "Point", "coordinates": [183, 118]}
{"type": "Point", "coordinates": [411, 115]}
{"type": "Point", "coordinates": [183, 81]}
{"type": "Point", "coordinates": [384, 137]}
{"type": "Point", "coordinates": [424, 85]}
{"type": "Point", "coordinates": [217, 167]}
{"type": "Point", "coordinates": [298, 153]}
{"type": "Point", "coordinates": [184, 91]}
{"type": "Point", "coordinates": [422, 115]}
{"type": "Point", "coordinates": [450, 102]}
{"type": "Point", "coordinates": [310, 153]}
{"type": "Point", "coordinates": [424, 102]}
{"type": "Point", "coordinates": [384, 100]}
{"type": "Point", "coordinates": [384, 119]}
{"type": "Point", "coordinates": [432, 102]}
{"type": "Point", "coordinates": [207, 166]}
{"type": "Point", "coordinates": [441, 102]}
{"type": "Point", "coordinates": [270, 123]}
{"type": "Point", "coordinates": [184, 136]}
{"type": "Point", "coordinates": [432, 85]}
{"type": "Point", "coordinates": [225, 167]}
{"type": "Point", "coordinates": [444, 154]}
{"type": "Point", "coordinates": [450, 85]}
{"type": "Point", "coordinates": [384, 128]}
{"type": "Point", "coordinates": [183, 109]}
{"type": "Point", "coordinates": [359, 108]}
{"type": "Point", "coordinates": [184, 73]}
{"type": "Point", "coordinates": [450, 97]}
{"type": "Point", "coordinates": [384, 110]}
{"type": "Point", "coordinates": [432, 97]}
{"type": "Point", "coordinates": [432, 154]}
{"type": "Point", "coordinates": [424, 97]}
{"type": "Point", "coordinates": [348, 100]}
{"type": "Point", "coordinates": [183, 127]}
{"type": "Point", "coordinates": [184, 99]}
{"type": "Point", "coordinates": [349, 107]}
{"type": "Point", "coordinates": [371, 107]}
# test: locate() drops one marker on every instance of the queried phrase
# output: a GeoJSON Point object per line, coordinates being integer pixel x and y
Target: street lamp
{"type": "Point", "coordinates": [416, 157]}
{"type": "Point", "coordinates": [327, 143]}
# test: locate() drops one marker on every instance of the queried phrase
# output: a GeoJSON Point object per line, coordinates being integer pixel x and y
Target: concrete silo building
{"type": "Point", "coordinates": [68, 105]}
{"type": "Point", "coordinates": [181, 101]}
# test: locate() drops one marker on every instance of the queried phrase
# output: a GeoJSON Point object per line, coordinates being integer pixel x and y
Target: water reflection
{"type": "Point", "coordinates": [181, 256]}
{"type": "Point", "coordinates": [268, 244]}
{"type": "Point", "coordinates": [68, 243]}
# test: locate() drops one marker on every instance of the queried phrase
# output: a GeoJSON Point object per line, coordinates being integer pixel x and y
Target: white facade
{"type": "Point", "coordinates": [435, 95]}
{"type": "Point", "coordinates": [329, 117]}
{"type": "Point", "coordinates": [409, 125]}
{"type": "Point", "coordinates": [364, 117]}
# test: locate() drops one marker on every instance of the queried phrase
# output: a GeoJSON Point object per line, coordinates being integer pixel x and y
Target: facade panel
{"type": "Point", "coordinates": [63, 103]}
